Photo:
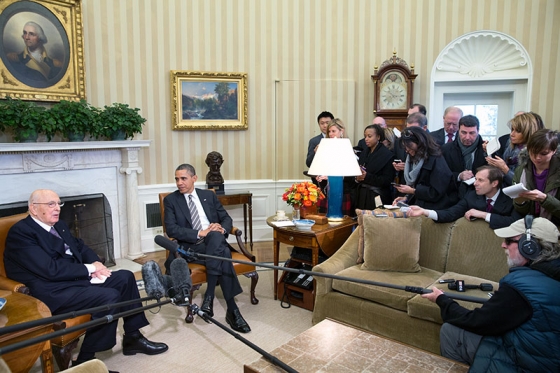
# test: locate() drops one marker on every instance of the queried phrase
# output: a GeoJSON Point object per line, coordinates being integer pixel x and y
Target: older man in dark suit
{"type": "Point", "coordinates": [198, 221]}
{"type": "Point", "coordinates": [448, 133]}
{"type": "Point", "coordinates": [486, 202]}
{"type": "Point", "coordinates": [65, 274]}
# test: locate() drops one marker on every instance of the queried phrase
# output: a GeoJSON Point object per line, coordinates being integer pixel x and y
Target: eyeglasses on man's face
{"type": "Point", "coordinates": [51, 204]}
{"type": "Point", "coordinates": [510, 240]}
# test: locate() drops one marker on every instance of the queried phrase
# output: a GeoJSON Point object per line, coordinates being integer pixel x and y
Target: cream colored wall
{"type": "Point", "coordinates": [324, 46]}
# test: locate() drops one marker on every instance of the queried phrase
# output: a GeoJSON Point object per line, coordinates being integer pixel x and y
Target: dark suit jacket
{"type": "Point", "coordinates": [502, 214]}
{"type": "Point", "coordinates": [454, 158]}
{"type": "Point", "coordinates": [434, 187]}
{"type": "Point", "coordinates": [311, 148]}
{"type": "Point", "coordinates": [440, 136]}
{"type": "Point", "coordinates": [37, 258]}
{"type": "Point", "coordinates": [178, 223]}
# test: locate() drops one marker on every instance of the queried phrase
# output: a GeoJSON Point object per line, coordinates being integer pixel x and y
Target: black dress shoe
{"type": "Point", "coordinates": [208, 305]}
{"type": "Point", "coordinates": [237, 322]}
{"type": "Point", "coordinates": [141, 345]}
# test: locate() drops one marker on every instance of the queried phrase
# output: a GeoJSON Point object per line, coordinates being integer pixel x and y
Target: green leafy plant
{"type": "Point", "coordinates": [120, 118]}
{"type": "Point", "coordinates": [75, 118]}
{"type": "Point", "coordinates": [26, 119]}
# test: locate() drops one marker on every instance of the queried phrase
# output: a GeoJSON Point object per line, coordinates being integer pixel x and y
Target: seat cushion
{"type": "Point", "coordinates": [389, 297]}
{"type": "Point", "coordinates": [424, 309]}
{"type": "Point", "coordinates": [391, 244]}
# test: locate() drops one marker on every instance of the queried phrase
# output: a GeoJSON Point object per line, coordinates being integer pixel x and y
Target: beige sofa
{"type": "Point", "coordinates": [462, 250]}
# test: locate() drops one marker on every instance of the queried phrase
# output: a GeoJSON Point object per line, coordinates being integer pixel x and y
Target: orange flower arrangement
{"type": "Point", "coordinates": [303, 194]}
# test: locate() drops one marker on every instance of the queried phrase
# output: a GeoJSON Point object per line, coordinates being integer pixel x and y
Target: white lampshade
{"type": "Point", "coordinates": [335, 157]}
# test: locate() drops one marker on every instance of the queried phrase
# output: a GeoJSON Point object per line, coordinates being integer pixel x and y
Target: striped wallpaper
{"type": "Point", "coordinates": [301, 57]}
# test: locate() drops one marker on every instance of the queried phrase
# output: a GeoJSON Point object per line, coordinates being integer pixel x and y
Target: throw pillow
{"type": "Point", "coordinates": [391, 244]}
{"type": "Point", "coordinates": [377, 212]}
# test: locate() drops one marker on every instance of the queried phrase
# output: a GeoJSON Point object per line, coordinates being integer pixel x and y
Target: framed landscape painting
{"type": "Point", "coordinates": [41, 54]}
{"type": "Point", "coordinates": [208, 100]}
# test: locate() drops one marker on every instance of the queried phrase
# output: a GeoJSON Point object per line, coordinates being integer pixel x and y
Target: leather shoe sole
{"type": "Point", "coordinates": [237, 322]}
{"type": "Point", "coordinates": [141, 345]}
{"type": "Point", "coordinates": [208, 306]}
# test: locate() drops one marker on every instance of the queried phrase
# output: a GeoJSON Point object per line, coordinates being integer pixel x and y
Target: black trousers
{"type": "Point", "coordinates": [215, 244]}
{"type": "Point", "coordinates": [120, 287]}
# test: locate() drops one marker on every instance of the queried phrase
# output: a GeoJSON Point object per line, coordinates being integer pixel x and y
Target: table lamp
{"type": "Point", "coordinates": [335, 158]}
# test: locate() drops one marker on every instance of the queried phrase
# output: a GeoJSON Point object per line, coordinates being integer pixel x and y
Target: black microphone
{"type": "Point", "coordinates": [173, 246]}
{"type": "Point", "coordinates": [182, 281]}
{"type": "Point", "coordinates": [153, 280]}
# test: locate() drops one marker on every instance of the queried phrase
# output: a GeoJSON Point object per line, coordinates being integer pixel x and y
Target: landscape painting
{"type": "Point", "coordinates": [208, 101]}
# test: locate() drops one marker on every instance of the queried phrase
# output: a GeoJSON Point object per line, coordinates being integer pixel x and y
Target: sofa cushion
{"type": "Point", "coordinates": [434, 242]}
{"type": "Point", "coordinates": [389, 297]}
{"type": "Point", "coordinates": [377, 212]}
{"type": "Point", "coordinates": [475, 249]}
{"type": "Point", "coordinates": [424, 309]}
{"type": "Point", "coordinates": [391, 244]}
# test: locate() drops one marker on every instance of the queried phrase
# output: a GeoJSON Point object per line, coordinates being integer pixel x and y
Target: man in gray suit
{"type": "Point", "coordinates": [199, 222]}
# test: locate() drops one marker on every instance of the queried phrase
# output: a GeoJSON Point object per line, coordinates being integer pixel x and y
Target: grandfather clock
{"type": "Point", "coordinates": [392, 95]}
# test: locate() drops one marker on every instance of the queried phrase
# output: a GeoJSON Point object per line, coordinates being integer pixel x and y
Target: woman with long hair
{"type": "Point", "coordinates": [428, 180]}
{"type": "Point", "coordinates": [377, 170]}
{"type": "Point", "coordinates": [522, 127]}
{"type": "Point", "coordinates": [539, 172]}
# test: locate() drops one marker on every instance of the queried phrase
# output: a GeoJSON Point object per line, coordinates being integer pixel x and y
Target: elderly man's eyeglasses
{"type": "Point", "coordinates": [509, 241]}
{"type": "Point", "coordinates": [51, 204]}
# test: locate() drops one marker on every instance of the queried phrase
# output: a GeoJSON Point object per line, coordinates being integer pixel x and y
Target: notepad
{"type": "Point", "coordinates": [514, 190]}
{"type": "Point", "coordinates": [492, 146]}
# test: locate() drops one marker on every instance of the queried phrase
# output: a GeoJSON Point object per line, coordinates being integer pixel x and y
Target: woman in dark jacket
{"type": "Point", "coordinates": [539, 171]}
{"type": "Point", "coordinates": [429, 181]}
{"type": "Point", "coordinates": [377, 170]}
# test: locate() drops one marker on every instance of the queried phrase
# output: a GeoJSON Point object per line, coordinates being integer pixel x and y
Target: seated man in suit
{"type": "Point", "coordinates": [466, 153]}
{"type": "Point", "coordinates": [486, 202]}
{"type": "Point", "coordinates": [65, 274]}
{"type": "Point", "coordinates": [198, 221]}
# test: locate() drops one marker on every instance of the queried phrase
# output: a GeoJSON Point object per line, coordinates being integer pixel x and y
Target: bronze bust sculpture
{"type": "Point", "coordinates": [214, 160]}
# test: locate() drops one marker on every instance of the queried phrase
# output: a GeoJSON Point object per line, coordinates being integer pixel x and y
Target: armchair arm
{"type": "Point", "coordinates": [238, 233]}
{"type": "Point", "coordinates": [344, 258]}
{"type": "Point", "coordinates": [11, 285]}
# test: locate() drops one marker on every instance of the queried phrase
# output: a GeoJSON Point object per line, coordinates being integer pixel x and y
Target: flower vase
{"type": "Point", "coordinates": [296, 213]}
{"type": "Point", "coordinates": [309, 210]}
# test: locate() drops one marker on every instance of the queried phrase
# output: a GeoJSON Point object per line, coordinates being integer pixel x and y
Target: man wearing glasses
{"type": "Point", "coordinates": [65, 274]}
{"type": "Point", "coordinates": [517, 329]}
{"type": "Point", "coordinates": [448, 133]}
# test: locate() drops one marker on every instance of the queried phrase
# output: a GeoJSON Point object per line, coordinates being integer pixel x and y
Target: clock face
{"type": "Point", "coordinates": [393, 95]}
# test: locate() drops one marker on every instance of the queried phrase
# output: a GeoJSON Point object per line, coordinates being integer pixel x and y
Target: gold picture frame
{"type": "Point", "coordinates": [52, 31]}
{"type": "Point", "coordinates": [208, 100]}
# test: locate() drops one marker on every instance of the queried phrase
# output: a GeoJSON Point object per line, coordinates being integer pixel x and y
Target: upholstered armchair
{"type": "Point", "coordinates": [62, 346]}
{"type": "Point", "coordinates": [198, 271]}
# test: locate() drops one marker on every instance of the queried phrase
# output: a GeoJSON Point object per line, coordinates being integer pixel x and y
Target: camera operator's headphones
{"type": "Point", "coordinates": [528, 245]}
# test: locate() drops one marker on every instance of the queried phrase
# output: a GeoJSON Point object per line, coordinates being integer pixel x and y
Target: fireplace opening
{"type": "Point", "coordinates": [89, 218]}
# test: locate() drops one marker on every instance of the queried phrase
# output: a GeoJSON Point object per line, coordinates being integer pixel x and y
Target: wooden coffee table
{"type": "Point", "coordinates": [331, 346]}
{"type": "Point", "coordinates": [18, 309]}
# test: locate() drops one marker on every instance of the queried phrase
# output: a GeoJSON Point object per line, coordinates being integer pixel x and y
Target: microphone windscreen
{"type": "Point", "coordinates": [166, 243]}
{"type": "Point", "coordinates": [153, 280]}
{"type": "Point", "coordinates": [181, 274]}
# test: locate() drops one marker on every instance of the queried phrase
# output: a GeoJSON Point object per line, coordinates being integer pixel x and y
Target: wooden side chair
{"type": "Point", "coordinates": [61, 346]}
{"type": "Point", "coordinates": [198, 271]}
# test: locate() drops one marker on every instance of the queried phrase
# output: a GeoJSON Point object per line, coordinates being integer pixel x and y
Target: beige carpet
{"type": "Point", "coordinates": [202, 347]}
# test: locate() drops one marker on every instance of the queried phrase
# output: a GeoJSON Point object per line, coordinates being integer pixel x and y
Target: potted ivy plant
{"type": "Point", "coordinates": [119, 122]}
{"type": "Point", "coordinates": [75, 119]}
{"type": "Point", "coordinates": [25, 119]}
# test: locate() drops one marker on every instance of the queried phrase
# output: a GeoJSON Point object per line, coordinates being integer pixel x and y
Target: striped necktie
{"type": "Point", "coordinates": [66, 247]}
{"type": "Point", "coordinates": [194, 214]}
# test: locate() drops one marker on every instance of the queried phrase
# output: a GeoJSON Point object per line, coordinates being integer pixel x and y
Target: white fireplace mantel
{"type": "Point", "coordinates": [78, 168]}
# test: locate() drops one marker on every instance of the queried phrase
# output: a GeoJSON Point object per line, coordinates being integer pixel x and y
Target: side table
{"type": "Point", "coordinates": [245, 199]}
{"type": "Point", "coordinates": [20, 308]}
{"type": "Point", "coordinates": [326, 237]}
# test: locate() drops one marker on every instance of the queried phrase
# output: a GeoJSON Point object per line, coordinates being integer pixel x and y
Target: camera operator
{"type": "Point", "coordinates": [517, 329]}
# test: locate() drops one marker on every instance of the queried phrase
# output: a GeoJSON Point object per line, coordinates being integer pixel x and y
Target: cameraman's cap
{"type": "Point", "coordinates": [541, 228]}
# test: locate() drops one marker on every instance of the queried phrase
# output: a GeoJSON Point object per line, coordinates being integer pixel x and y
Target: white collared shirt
{"type": "Point", "coordinates": [204, 222]}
